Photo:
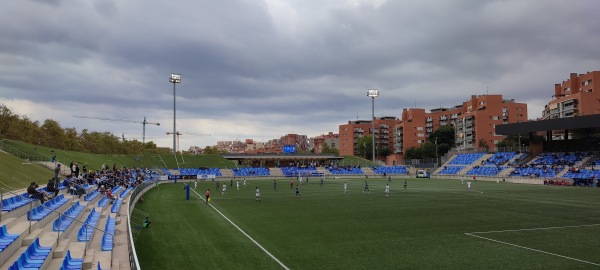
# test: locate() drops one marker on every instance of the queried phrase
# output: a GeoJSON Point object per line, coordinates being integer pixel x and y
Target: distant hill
{"type": "Point", "coordinates": [95, 161]}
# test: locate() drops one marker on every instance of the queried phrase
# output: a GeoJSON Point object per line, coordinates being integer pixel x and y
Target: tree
{"type": "Point", "coordinates": [365, 146]}
{"type": "Point", "coordinates": [211, 151]}
{"type": "Point", "coordinates": [329, 150]}
{"type": "Point", "coordinates": [482, 144]}
{"type": "Point", "coordinates": [53, 135]}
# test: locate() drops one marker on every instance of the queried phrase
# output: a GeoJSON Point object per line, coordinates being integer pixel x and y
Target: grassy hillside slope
{"type": "Point", "coordinates": [16, 173]}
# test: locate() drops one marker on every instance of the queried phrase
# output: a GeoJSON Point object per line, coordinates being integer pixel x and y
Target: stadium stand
{"type": "Point", "coordinates": [260, 171]}
{"type": "Point", "coordinates": [109, 232]}
{"type": "Point", "coordinates": [45, 209]}
{"type": "Point", "coordinates": [15, 202]}
{"type": "Point", "coordinates": [294, 171]}
{"type": "Point", "coordinates": [452, 170]}
{"type": "Point", "coordinates": [345, 170]}
{"type": "Point", "coordinates": [66, 219]}
{"type": "Point", "coordinates": [125, 192]}
{"type": "Point", "coordinates": [33, 257]}
{"type": "Point", "coordinates": [116, 206]}
{"type": "Point", "coordinates": [6, 239]}
{"type": "Point", "coordinates": [91, 196]}
{"type": "Point", "coordinates": [85, 231]}
{"type": "Point", "coordinates": [465, 158]}
{"type": "Point", "coordinates": [103, 202]}
{"type": "Point", "coordinates": [391, 170]}
{"type": "Point", "coordinates": [500, 158]}
{"type": "Point", "coordinates": [486, 170]}
{"type": "Point", "coordinates": [199, 171]}
{"type": "Point", "coordinates": [70, 263]}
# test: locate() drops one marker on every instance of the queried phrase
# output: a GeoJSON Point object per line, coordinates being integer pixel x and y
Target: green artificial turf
{"type": "Point", "coordinates": [421, 227]}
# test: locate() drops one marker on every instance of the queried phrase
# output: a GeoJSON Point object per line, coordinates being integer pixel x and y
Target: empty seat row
{"type": "Point", "coordinates": [124, 193]}
{"type": "Point", "coordinates": [66, 219]}
{"type": "Point", "coordinates": [451, 169]}
{"type": "Point", "coordinates": [251, 172]}
{"type": "Point", "coordinates": [116, 206]}
{"type": "Point", "coordinates": [196, 171]}
{"type": "Point", "coordinates": [345, 170]}
{"type": "Point", "coordinates": [70, 263]}
{"type": "Point", "coordinates": [6, 238]}
{"type": "Point", "coordinates": [115, 190]}
{"type": "Point", "coordinates": [294, 171]}
{"type": "Point", "coordinates": [87, 228]}
{"type": "Point", "coordinates": [391, 170]}
{"type": "Point", "coordinates": [500, 158]}
{"type": "Point", "coordinates": [103, 202]}
{"type": "Point", "coordinates": [465, 158]}
{"type": "Point", "coordinates": [91, 196]}
{"type": "Point", "coordinates": [33, 257]}
{"type": "Point", "coordinates": [486, 170]}
{"type": "Point", "coordinates": [15, 202]}
{"type": "Point", "coordinates": [109, 233]}
{"type": "Point", "coordinates": [45, 209]}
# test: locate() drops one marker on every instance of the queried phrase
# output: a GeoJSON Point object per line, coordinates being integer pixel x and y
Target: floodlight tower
{"type": "Point", "coordinates": [373, 93]}
{"type": "Point", "coordinates": [175, 79]}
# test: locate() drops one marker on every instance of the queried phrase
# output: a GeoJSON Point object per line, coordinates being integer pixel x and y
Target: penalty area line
{"type": "Point", "coordinates": [244, 233]}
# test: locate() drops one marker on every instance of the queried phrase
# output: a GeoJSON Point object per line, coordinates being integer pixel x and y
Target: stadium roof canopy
{"type": "Point", "coordinates": [571, 123]}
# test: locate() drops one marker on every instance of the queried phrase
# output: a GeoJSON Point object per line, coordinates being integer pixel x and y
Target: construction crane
{"type": "Point", "coordinates": [144, 123]}
{"type": "Point", "coordinates": [185, 133]}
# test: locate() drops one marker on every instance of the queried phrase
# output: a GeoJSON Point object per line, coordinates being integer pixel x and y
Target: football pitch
{"type": "Point", "coordinates": [432, 224]}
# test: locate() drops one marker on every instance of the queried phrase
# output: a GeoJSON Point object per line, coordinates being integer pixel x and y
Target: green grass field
{"type": "Point", "coordinates": [16, 173]}
{"type": "Point", "coordinates": [422, 227]}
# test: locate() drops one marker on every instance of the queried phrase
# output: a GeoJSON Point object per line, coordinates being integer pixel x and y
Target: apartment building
{"type": "Point", "coordinates": [476, 126]}
{"type": "Point", "coordinates": [350, 133]}
{"type": "Point", "coordinates": [331, 139]}
{"type": "Point", "coordinates": [576, 96]}
{"type": "Point", "coordinates": [473, 120]}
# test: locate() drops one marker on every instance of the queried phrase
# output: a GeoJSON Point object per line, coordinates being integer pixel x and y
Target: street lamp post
{"type": "Point", "coordinates": [175, 79]}
{"type": "Point", "coordinates": [373, 93]}
{"type": "Point", "coordinates": [436, 152]}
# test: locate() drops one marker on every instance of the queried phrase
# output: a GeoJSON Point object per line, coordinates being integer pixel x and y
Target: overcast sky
{"type": "Point", "coordinates": [262, 69]}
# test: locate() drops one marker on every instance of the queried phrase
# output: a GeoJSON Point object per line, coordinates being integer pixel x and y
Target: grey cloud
{"type": "Point", "coordinates": [309, 68]}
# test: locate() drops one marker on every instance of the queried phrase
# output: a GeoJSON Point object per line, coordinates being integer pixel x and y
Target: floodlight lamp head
{"type": "Point", "coordinates": [175, 78]}
{"type": "Point", "coordinates": [373, 93]}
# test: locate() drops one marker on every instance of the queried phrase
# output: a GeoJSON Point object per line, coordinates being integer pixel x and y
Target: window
{"type": "Point", "coordinates": [519, 108]}
{"type": "Point", "coordinates": [419, 128]}
{"type": "Point", "coordinates": [567, 89]}
{"type": "Point", "coordinates": [420, 135]}
{"type": "Point", "coordinates": [419, 141]}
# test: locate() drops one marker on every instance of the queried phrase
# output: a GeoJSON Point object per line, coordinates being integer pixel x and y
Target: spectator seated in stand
{"type": "Point", "coordinates": [35, 194]}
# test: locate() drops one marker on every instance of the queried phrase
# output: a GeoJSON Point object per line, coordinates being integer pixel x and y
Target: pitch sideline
{"type": "Point", "coordinates": [244, 233]}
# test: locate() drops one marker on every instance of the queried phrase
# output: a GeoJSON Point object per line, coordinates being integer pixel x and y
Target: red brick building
{"type": "Point", "coordinates": [351, 132]}
{"type": "Point", "coordinates": [575, 97]}
{"type": "Point", "coordinates": [474, 123]}
{"type": "Point", "coordinates": [331, 139]}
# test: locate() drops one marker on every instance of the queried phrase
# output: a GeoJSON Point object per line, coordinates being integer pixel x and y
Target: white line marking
{"type": "Point", "coordinates": [244, 233]}
{"type": "Point", "coordinates": [473, 234]}
{"type": "Point", "coordinates": [535, 229]}
{"type": "Point", "coordinates": [532, 249]}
